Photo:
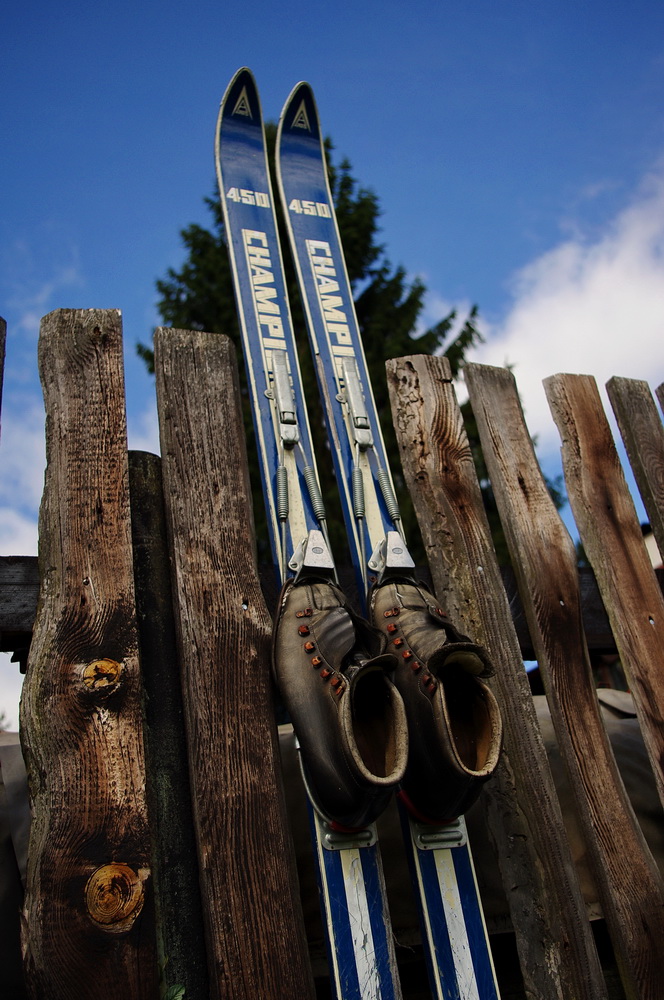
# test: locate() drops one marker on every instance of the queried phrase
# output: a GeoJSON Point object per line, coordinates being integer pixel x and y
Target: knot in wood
{"type": "Point", "coordinates": [114, 896]}
{"type": "Point", "coordinates": [102, 677]}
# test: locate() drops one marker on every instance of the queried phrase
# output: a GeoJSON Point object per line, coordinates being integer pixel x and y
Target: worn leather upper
{"type": "Point", "coordinates": [455, 728]}
{"type": "Point", "coordinates": [334, 677]}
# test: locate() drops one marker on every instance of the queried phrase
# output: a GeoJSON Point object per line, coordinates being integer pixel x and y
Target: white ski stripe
{"type": "Point", "coordinates": [246, 334]}
{"type": "Point", "coordinates": [296, 518]}
{"type": "Point", "coordinates": [434, 966]}
{"type": "Point", "coordinates": [373, 518]}
{"type": "Point", "coordinates": [480, 909]}
{"type": "Point", "coordinates": [327, 906]}
{"type": "Point", "coordinates": [456, 925]}
{"type": "Point", "coordinates": [360, 925]}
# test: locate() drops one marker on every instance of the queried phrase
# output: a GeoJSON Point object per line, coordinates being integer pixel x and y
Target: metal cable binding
{"type": "Point", "coordinates": [358, 492]}
{"type": "Point", "coordinates": [357, 482]}
{"type": "Point", "coordinates": [388, 495]}
{"type": "Point", "coordinates": [318, 507]}
{"type": "Point", "coordinates": [315, 494]}
{"type": "Point", "coordinates": [282, 493]}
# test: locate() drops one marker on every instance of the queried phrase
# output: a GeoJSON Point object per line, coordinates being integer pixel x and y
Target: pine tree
{"type": "Point", "coordinates": [199, 296]}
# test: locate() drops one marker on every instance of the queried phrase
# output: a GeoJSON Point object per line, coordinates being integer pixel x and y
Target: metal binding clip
{"type": "Point", "coordinates": [312, 557]}
{"type": "Point", "coordinates": [354, 399]}
{"type": "Point", "coordinates": [282, 393]}
{"type": "Point", "coordinates": [428, 837]}
{"type": "Point", "coordinates": [391, 557]}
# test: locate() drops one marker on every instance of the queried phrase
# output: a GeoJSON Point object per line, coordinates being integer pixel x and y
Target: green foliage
{"type": "Point", "coordinates": [174, 993]}
{"type": "Point", "coordinates": [199, 296]}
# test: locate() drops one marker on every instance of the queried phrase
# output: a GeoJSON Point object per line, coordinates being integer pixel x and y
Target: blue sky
{"type": "Point", "coordinates": [517, 150]}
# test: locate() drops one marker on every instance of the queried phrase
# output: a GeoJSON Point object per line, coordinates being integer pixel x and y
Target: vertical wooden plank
{"type": "Point", "coordinates": [643, 435]}
{"type": "Point", "coordinates": [659, 392]}
{"type": "Point", "coordinates": [179, 919]}
{"type": "Point", "coordinates": [611, 535]}
{"type": "Point", "coordinates": [254, 930]}
{"type": "Point", "coordinates": [88, 930]}
{"type": "Point", "coordinates": [556, 951]}
{"type": "Point", "coordinates": [629, 883]}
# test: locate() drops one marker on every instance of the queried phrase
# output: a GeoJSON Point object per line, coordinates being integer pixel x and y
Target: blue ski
{"type": "Point", "coordinates": [355, 913]}
{"type": "Point", "coordinates": [453, 928]}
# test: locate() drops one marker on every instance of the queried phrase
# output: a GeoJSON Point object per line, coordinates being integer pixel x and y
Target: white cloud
{"type": "Point", "coordinates": [18, 533]}
{"type": "Point", "coordinates": [143, 430]}
{"type": "Point", "coordinates": [588, 307]}
{"type": "Point", "coordinates": [436, 307]}
{"type": "Point", "coordinates": [11, 683]}
{"type": "Point", "coordinates": [30, 291]}
{"type": "Point", "coordinates": [22, 460]}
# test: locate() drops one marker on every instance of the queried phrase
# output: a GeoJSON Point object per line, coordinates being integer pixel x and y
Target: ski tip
{"type": "Point", "coordinates": [240, 100]}
{"type": "Point", "coordinates": [300, 115]}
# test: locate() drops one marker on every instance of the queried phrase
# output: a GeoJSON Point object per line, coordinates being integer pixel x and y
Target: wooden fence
{"type": "Point", "coordinates": [160, 851]}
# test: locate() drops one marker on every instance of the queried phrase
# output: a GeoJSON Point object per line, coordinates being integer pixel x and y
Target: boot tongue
{"type": "Point", "coordinates": [384, 663]}
{"type": "Point", "coordinates": [346, 641]}
{"type": "Point", "coordinates": [325, 596]}
{"type": "Point", "coordinates": [335, 636]}
{"type": "Point", "coordinates": [461, 655]}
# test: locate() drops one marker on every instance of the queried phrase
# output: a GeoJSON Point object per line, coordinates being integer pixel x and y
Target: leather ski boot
{"type": "Point", "coordinates": [349, 719]}
{"type": "Point", "coordinates": [454, 723]}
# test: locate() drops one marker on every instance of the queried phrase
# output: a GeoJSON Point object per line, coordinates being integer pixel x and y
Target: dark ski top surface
{"type": "Point", "coordinates": [331, 319]}
{"type": "Point", "coordinates": [248, 208]}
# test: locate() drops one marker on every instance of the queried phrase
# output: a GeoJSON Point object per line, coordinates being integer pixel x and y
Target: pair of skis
{"type": "Point", "coordinates": [355, 912]}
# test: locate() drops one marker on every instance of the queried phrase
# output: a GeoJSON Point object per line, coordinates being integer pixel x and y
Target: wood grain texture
{"type": "Point", "coordinates": [19, 590]}
{"type": "Point", "coordinates": [659, 392]}
{"type": "Point", "coordinates": [254, 932]}
{"type": "Point", "coordinates": [629, 883]}
{"type": "Point", "coordinates": [643, 435]}
{"type": "Point", "coordinates": [179, 918]}
{"type": "Point", "coordinates": [88, 931]}
{"type": "Point", "coordinates": [557, 955]}
{"type": "Point", "coordinates": [611, 535]}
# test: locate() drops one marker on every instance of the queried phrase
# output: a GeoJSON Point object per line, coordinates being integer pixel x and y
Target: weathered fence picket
{"type": "Point", "coordinates": [179, 912]}
{"type": "Point", "coordinates": [609, 529]}
{"type": "Point", "coordinates": [659, 392]}
{"type": "Point", "coordinates": [558, 956]}
{"type": "Point", "coordinates": [254, 932]}
{"type": "Point", "coordinates": [81, 718]}
{"type": "Point", "coordinates": [629, 883]}
{"type": "Point", "coordinates": [161, 853]}
{"type": "Point", "coordinates": [643, 436]}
